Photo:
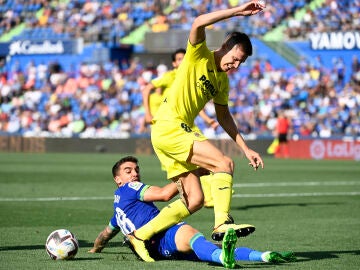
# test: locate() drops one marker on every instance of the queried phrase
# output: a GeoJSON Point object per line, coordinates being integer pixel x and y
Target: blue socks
{"type": "Point", "coordinates": [204, 249]}
{"type": "Point", "coordinates": [247, 254]}
{"type": "Point", "coordinates": [208, 251]}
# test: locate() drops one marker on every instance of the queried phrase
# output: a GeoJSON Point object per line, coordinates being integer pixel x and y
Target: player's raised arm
{"type": "Point", "coordinates": [197, 32]}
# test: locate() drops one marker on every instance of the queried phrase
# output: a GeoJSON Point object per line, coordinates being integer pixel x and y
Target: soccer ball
{"type": "Point", "coordinates": [61, 245]}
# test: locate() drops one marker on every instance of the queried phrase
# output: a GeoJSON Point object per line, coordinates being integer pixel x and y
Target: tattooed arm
{"type": "Point", "coordinates": [103, 238]}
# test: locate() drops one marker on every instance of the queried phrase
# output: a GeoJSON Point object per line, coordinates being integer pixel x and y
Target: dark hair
{"type": "Point", "coordinates": [116, 166]}
{"type": "Point", "coordinates": [173, 55]}
{"type": "Point", "coordinates": [235, 38]}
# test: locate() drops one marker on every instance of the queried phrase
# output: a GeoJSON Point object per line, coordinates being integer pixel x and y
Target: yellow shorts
{"type": "Point", "coordinates": [173, 142]}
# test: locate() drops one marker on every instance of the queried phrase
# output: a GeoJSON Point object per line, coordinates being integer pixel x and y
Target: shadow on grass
{"type": "Point", "coordinates": [246, 207]}
{"type": "Point", "coordinates": [301, 257]}
{"type": "Point", "coordinates": [30, 247]}
{"type": "Point", "coordinates": [255, 265]}
{"type": "Point", "coordinates": [85, 259]}
{"type": "Point", "coordinates": [87, 244]}
{"type": "Point", "coordinates": [320, 255]}
{"type": "Point", "coordinates": [82, 244]}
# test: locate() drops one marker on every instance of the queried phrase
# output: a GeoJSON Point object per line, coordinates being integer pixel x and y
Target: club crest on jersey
{"type": "Point", "coordinates": [186, 127]}
{"type": "Point", "coordinates": [135, 185]}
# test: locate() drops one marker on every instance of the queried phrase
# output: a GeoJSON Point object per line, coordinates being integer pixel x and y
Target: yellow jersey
{"type": "Point", "coordinates": [197, 81]}
{"type": "Point", "coordinates": [164, 82]}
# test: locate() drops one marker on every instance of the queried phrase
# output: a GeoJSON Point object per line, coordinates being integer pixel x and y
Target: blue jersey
{"type": "Point", "coordinates": [130, 210]}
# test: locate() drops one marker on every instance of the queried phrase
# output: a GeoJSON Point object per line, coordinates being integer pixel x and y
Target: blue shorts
{"type": "Point", "coordinates": [163, 246]}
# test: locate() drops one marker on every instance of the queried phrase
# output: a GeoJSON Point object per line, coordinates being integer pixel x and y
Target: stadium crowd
{"type": "Point", "coordinates": [104, 100]}
{"type": "Point", "coordinates": [332, 16]}
{"type": "Point", "coordinates": [109, 21]}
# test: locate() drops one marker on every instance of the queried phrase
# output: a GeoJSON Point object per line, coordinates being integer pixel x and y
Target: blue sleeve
{"type": "Point", "coordinates": [130, 211]}
{"type": "Point", "coordinates": [113, 225]}
{"type": "Point", "coordinates": [136, 189]}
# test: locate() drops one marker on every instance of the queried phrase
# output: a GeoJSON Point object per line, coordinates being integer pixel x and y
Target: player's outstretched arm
{"type": "Point", "coordinates": [197, 32]}
{"type": "Point", "coordinates": [160, 194]}
{"type": "Point", "coordinates": [103, 238]}
{"type": "Point", "coordinates": [227, 122]}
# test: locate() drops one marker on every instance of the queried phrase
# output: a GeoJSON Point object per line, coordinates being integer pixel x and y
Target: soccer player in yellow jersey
{"type": "Point", "coordinates": [156, 90]}
{"type": "Point", "coordinates": [154, 93]}
{"type": "Point", "coordinates": [181, 147]}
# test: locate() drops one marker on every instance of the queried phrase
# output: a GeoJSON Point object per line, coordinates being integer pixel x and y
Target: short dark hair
{"type": "Point", "coordinates": [243, 39]}
{"type": "Point", "coordinates": [173, 55]}
{"type": "Point", "coordinates": [116, 166]}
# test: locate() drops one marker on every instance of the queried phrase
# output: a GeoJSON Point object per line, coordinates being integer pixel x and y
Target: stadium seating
{"type": "Point", "coordinates": [79, 96]}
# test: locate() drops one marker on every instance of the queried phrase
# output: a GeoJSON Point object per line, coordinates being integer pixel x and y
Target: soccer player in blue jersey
{"type": "Point", "coordinates": [134, 207]}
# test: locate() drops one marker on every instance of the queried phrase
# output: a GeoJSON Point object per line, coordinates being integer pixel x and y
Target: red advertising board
{"type": "Point", "coordinates": [324, 149]}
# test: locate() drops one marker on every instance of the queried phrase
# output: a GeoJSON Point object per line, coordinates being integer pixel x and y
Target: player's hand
{"type": "Point", "coordinates": [148, 118]}
{"type": "Point", "coordinates": [255, 159]}
{"type": "Point", "coordinates": [252, 7]}
{"type": "Point", "coordinates": [94, 250]}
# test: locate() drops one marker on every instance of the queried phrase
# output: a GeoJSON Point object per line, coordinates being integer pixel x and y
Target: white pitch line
{"type": "Point", "coordinates": [299, 184]}
{"type": "Point", "coordinates": [53, 199]}
{"type": "Point", "coordinates": [261, 195]}
{"type": "Point", "coordinates": [310, 194]}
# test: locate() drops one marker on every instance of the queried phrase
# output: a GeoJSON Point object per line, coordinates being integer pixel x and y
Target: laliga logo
{"type": "Point", "coordinates": [334, 149]}
{"type": "Point", "coordinates": [317, 150]}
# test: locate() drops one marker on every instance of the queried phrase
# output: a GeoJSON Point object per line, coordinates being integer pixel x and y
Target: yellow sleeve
{"type": "Point", "coordinates": [165, 80]}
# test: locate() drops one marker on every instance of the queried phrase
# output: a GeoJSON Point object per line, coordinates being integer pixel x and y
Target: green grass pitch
{"type": "Point", "coordinates": [309, 207]}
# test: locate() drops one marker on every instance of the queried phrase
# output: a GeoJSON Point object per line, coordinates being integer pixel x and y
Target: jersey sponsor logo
{"type": "Point", "coordinates": [135, 185]}
{"type": "Point", "coordinates": [207, 88]}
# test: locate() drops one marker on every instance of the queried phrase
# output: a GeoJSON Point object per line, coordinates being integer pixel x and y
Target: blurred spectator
{"type": "Point", "coordinates": [160, 24]}
{"type": "Point", "coordinates": [105, 100]}
{"type": "Point", "coordinates": [109, 21]}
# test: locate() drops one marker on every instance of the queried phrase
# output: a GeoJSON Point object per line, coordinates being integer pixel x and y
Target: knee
{"type": "Point", "coordinates": [226, 164]}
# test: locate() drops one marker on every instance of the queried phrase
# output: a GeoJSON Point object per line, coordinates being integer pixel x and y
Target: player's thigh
{"type": "Point", "coordinates": [208, 156]}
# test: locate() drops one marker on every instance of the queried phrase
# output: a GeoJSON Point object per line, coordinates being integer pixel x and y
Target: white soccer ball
{"type": "Point", "coordinates": [61, 245]}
